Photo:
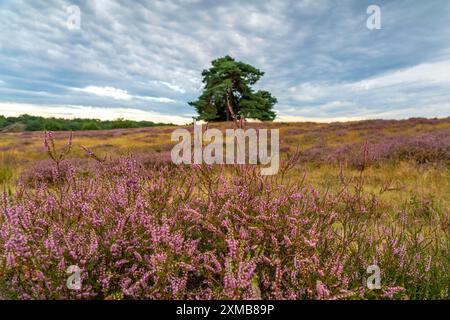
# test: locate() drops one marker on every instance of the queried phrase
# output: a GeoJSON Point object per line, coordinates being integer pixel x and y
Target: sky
{"type": "Point", "coordinates": [142, 60]}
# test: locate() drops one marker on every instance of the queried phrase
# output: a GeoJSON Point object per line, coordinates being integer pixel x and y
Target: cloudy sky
{"type": "Point", "coordinates": [143, 59]}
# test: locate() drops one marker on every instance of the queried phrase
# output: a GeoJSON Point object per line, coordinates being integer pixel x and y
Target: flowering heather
{"type": "Point", "coordinates": [433, 147]}
{"type": "Point", "coordinates": [210, 232]}
{"type": "Point", "coordinates": [46, 171]}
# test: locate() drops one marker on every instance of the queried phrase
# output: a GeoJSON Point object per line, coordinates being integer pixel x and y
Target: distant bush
{"type": "Point", "coordinates": [32, 123]}
{"type": "Point", "coordinates": [90, 126]}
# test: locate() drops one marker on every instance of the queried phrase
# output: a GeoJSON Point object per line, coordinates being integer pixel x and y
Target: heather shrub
{"type": "Point", "coordinates": [204, 232]}
{"type": "Point", "coordinates": [151, 159]}
{"type": "Point", "coordinates": [429, 148]}
{"type": "Point", "coordinates": [295, 131]}
{"type": "Point", "coordinates": [46, 171]}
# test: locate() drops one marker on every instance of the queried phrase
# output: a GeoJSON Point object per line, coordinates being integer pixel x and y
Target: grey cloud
{"type": "Point", "coordinates": [313, 52]}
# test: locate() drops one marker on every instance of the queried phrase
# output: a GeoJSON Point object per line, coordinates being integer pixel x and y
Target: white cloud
{"type": "Point", "coordinates": [431, 111]}
{"type": "Point", "coordinates": [119, 94]}
{"type": "Point", "coordinates": [174, 87]}
{"type": "Point", "coordinates": [387, 95]}
{"type": "Point", "coordinates": [308, 91]}
{"type": "Point", "coordinates": [109, 92]}
{"type": "Point", "coordinates": [426, 74]}
{"type": "Point", "coordinates": [287, 118]}
{"type": "Point", "coordinates": [317, 49]}
{"type": "Point", "coordinates": [419, 76]}
{"type": "Point", "coordinates": [156, 99]}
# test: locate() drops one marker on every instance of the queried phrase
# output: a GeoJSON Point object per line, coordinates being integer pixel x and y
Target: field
{"type": "Point", "coordinates": [348, 196]}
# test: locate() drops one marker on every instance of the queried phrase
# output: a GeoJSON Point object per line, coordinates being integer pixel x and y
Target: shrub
{"type": "Point", "coordinates": [207, 232]}
{"type": "Point", "coordinates": [433, 147]}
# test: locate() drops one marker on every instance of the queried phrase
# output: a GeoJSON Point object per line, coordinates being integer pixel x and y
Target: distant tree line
{"type": "Point", "coordinates": [32, 123]}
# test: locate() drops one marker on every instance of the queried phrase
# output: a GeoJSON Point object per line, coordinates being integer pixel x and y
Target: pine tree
{"type": "Point", "coordinates": [228, 95]}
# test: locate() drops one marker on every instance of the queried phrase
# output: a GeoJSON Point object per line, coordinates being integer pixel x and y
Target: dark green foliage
{"type": "Point", "coordinates": [3, 122]}
{"type": "Point", "coordinates": [228, 94]}
{"type": "Point", "coordinates": [259, 106]}
{"type": "Point", "coordinates": [32, 123]}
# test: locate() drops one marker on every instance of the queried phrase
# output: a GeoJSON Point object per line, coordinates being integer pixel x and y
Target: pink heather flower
{"type": "Point", "coordinates": [114, 249]}
{"type": "Point", "coordinates": [296, 196]}
{"type": "Point", "coordinates": [322, 291]}
{"type": "Point", "coordinates": [48, 136]}
{"type": "Point", "coordinates": [390, 292]}
{"type": "Point", "coordinates": [121, 262]}
{"type": "Point", "coordinates": [40, 276]}
{"type": "Point", "coordinates": [232, 247]}
{"type": "Point", "coordinates": [243, 233]}
{"type": "Point", "coordinates": [225, 223]}
{"type": "Point", "coordinates": [137, 256]}
{"type": "Point", "coordinates": [428, 266]}
{"type": "Point", "coordinates": [287, 241]}
{"type": "Point", "coordinates": [311, 243]}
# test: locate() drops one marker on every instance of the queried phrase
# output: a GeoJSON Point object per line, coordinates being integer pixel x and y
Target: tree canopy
{"type": "Point", "coordinates": [228, 93]}
{"type": "Point", "coordinates": [32, 123]}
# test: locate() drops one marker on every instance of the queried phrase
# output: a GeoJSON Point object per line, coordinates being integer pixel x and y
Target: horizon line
{"type": "Point", "coordinates": [15, 109]}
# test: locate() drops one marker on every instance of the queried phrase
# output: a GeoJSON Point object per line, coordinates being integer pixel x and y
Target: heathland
{"type": "Point", "coordinates": [348, 196]}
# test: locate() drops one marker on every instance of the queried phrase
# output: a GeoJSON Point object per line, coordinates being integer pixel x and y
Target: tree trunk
{"type": "Point", "coordinates": [229, 106]}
